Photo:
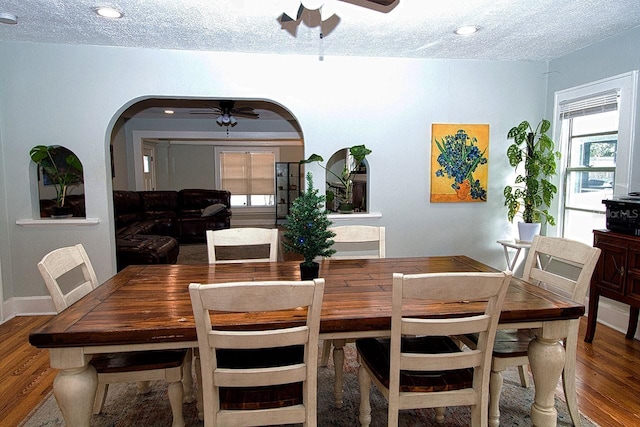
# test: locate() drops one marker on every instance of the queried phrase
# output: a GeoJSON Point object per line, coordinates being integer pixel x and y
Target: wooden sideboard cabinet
{"type": "Point", "coordinates": [617, 276]}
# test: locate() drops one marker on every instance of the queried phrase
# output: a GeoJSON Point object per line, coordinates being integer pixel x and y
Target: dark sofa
{"type": "Point", "coordinates": [149, 224]}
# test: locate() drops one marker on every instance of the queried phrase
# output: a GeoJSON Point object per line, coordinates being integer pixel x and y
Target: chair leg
{"type": "Point", "coordinates": [187, 377]}
{"type": "Point", "coordinates": [440, 415]}
{"type": "Point", "coordinates": [101, 396]}
{"type": "Point", "coordinates": [495, 389]}
{"type": "Point", "coordinates": [364, 381]}
{"type": "Point", "coordinates": [524, 376]}
{"type": "Point", "coordinates": [144, 387]}
{"type": "Point", "coordinates": [199, 402]}
{"type": "Point", "coordinates": [569, 378]}
{"type": "Point", "coordinates": [324, 356]}
{"type": "Point", "coordinates": [175, 392]}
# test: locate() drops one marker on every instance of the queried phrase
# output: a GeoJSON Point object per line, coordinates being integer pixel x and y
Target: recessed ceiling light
{"type": "Point", "coordinates": [169, 111]}
{"type": "Point", "coordinates": [108, 12]}
{"type": "Point", "coordinates": [466, 30]}
{"type": "Point", "coordinates": [8, 18]}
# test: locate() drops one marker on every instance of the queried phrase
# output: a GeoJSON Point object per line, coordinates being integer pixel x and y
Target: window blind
{"type": "Point", "coordinates": [248, 173]}
{"type": "Point", "coordinates": [593, 104]}
{"type": "Point", "coordinates": [262, 173]}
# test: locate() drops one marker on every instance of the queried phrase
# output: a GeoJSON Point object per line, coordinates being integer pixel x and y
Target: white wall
{"type": "Point", "coordinates": [72, 95]}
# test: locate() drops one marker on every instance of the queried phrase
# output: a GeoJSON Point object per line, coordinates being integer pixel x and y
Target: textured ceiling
{"type": "Point", "coordinates": [537, 30]}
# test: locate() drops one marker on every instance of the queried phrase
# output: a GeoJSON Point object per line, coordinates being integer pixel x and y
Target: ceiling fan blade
{"type": "Point", "coordinates": [247, 114]}
{"type": "Point", "coordinates": [374, 4]}
{"type": "Point", "coordinates": [382, 2]}
{"type": "Point", "coordinates": [205, 111]}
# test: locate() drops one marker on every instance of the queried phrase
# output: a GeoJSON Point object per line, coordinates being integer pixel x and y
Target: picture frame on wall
{"type": "Point", "coordinates": [459, 162]}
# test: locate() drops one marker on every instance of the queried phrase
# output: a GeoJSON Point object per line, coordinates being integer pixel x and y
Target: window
{"type": "Point", "coordinates": [593, 129]}
{"type": "Point", "coordinates": [591, 137]}
{"type": "Point", "coordinates": [249, 176]}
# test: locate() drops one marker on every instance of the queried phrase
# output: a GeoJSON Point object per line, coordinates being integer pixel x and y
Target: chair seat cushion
{"type": "Point", "coordinates": [138, 361]}
{"type": "Point", "coordinates": [512, 342]}
{"type": "Point", "coordinates": [375, 353]}
{"type": "Point", "coordinates": [267, 397]}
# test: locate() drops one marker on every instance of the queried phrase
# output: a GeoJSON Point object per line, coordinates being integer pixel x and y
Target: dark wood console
{"type": "Point", "coordinates": [617, 276]}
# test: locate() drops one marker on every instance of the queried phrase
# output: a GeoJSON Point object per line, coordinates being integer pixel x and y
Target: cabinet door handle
{"type": "Point", "coordinates": [621, 271]}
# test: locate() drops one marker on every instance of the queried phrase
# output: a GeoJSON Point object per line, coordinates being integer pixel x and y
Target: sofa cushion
{"type": "Point", "coordinates": [140, 227]}
{"type": "Point", "coordinates": [198, 199]}
{"type": "Point", "coordinates": [159, 204]}
{"type": "Point", "coordinates": [213, 209]}
{"type": "Point", "coordinates": [127, 208]}
{"type": "Point", "coordinates": [141, 249]}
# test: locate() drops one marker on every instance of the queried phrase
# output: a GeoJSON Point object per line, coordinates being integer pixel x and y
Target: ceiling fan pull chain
{"type": "Point", "coordinates": [321, 46]}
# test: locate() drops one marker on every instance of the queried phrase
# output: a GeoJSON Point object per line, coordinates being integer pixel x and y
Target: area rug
{"type": "Point", "coordinates": [124, 408]}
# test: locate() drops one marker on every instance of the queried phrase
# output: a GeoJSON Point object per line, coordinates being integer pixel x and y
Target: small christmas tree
{"type": "Point", "coordinates": [306, 230]}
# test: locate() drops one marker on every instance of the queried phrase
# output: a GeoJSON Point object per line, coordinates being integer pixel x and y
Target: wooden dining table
{"type": "Point", "coordinates": [147, 307]}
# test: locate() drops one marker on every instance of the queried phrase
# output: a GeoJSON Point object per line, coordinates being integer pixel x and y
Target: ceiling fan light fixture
{"type": "Point", "coordinates": [8, 18]}
{"type": "Point", "coordinates": [466, 30]}
{"type": "Point", "coordinates": [226, 120]}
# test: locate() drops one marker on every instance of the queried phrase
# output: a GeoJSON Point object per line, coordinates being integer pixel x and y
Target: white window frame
{"type": "Point", "coordinates": [624, 182]}
{"type": "Point", "coordinates": [218, 177]}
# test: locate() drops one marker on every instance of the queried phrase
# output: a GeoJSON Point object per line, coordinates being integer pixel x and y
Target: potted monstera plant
{"type": "Point", "coordinates": [306, 230]}
{"type": "Point", "coordinates": [64, 170]}
{"type": "Point", "coordinates": [533, 155]}
{"type": "Point", "coordinates": [345, 178]}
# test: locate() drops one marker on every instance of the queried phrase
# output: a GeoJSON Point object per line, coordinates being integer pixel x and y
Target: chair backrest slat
{"type": "Point", "coordinates": [562, 265]}
{"type": "Point", "coordinates": [246, 236]}
{"type": "Point", "coordinates": [358, 235]}
{"type": "Point", "coordinates": [61, 263]}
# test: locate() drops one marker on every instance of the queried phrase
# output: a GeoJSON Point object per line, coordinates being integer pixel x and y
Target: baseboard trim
{"type": "Point", "coordinates": [27, 306]}
{"type": "Point", "coordinates": [613, 314]}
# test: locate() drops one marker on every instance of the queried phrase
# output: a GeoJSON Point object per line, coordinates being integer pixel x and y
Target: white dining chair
{"type": "Point", "coordinates": [69, 276]}
{"type": "Point", "coordinates": [351, 242]}
{"type": "Point", "coordinates": [562, 266]}
{"type": "Point", "coordinates": [253, 376]}
{"type": "Point", "coordinates": [246, 236]}
{"type": "Point", "coordinates": [421, 365]}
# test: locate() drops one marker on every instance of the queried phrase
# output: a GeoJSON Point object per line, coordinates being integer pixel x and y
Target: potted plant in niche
{"type": "Point", "coordinates": [352, 164]}
{"type": "Point", "coordinates": [532, 155]}
{"type": "Point", "coordinates": [64, 170]}
{"type": "Point", "coordinates": [306, 230]}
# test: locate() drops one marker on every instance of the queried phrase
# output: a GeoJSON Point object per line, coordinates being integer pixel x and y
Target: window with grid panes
{"type": "Point", "coordinates": [590, 134]}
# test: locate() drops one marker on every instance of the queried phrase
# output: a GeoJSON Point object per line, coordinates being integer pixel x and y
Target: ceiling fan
{"type": "Point", "coordinates": [227, 113]}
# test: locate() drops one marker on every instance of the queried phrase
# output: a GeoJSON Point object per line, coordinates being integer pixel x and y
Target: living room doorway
{"type": "Point", "coordinates": [149, 166]}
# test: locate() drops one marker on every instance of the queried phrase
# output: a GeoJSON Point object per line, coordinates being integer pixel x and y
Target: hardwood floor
{"type": "Point", "coordinates": [608, 374]}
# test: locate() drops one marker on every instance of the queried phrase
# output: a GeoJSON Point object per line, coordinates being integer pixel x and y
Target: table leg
{"type": "Point", "coordinates": [338, 365]}
{"type": "Point", "coordinates": [75, 385]}
{"type": "Point", "coordinates": [75, 391]}
{"type": "Point", "coordinates": [546, 358]}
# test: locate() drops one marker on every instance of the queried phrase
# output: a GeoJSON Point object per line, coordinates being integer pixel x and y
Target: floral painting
{"type": "Point", "coordinates": [459, 162]}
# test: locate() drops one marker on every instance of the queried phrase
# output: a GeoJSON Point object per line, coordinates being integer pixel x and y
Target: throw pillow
{"type": "Point", "coordinates": [213, 209]}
